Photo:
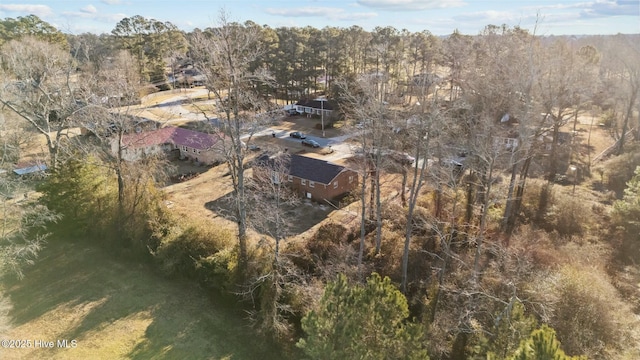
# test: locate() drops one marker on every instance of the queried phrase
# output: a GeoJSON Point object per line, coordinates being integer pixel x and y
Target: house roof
{"type": "Point", "coordinates": [30, 169]}
{"type": "Point", "coordinates": [316, 104]}
{"type": "Point", "coordinates": [307, 168]}
{"type": "Point", "coordinates": [172, 135]}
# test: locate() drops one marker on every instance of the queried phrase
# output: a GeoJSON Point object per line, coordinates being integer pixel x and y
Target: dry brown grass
{"type": "Point", "coordinates": [118, 310]}
{"type": "Point", "coordinates": [189, 198]}
{"type": "Point", "coordinates": [204, 197]}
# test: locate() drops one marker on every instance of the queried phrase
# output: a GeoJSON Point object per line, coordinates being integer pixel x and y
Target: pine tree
{"type": "Point", "coordinates": [362, 322]}
{"type": "Point", "coordinates": [627, 211]}
{"type": "Point", "coordinates": [542, 345]}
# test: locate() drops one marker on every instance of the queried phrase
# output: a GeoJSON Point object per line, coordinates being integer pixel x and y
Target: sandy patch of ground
{"type": "Point", "coordinates": [593, 145]}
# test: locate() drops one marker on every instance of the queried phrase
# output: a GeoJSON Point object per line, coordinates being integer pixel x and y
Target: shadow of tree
{"type": "Point", "coordinates": [181, 321]}
{"type": "Point", "coordinates": [302, 217]}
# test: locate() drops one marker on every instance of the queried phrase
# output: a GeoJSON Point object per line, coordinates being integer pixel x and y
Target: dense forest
{"type": "Point", "coordinates": [506, 238]}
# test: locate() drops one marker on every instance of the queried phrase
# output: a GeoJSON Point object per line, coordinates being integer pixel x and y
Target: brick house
{"type": "Point", "coordinates": [201, 147]}
{"type": "Point", "coordinates": [315, 179]}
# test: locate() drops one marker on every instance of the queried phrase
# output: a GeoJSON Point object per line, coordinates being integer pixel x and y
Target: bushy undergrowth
{"type": "Point", "coordinates": [326, 241]}
{"type": "Point", "coordinates": [619, 170]}
{"type": "Point", "coordinates": [588, 313]}
{"type": "Point", "coordinates": [569, 216]}
{"type": "Point", "coordinates": [197, 249]}
{"type": "Point", "coordinates": [563, 213]}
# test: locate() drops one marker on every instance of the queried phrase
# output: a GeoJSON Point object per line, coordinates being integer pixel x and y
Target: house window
{"type": "Point", "coordinates": [303, 182]}
{"type": "Point", "coordinates": [335, 184]}
{"type": "Point", "coordinates": [312, 183]}
{"type": "Point", "coordinates": [184, 148]}
{"type": "Point", "coordinates": [290, 178]}
{"type": "Point", "coordinates": [194, 150]}
{"type": "Point", "coordinates": [350, 179]}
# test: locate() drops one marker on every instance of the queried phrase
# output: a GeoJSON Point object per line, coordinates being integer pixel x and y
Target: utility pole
{"type": "Point", "coordinates": [322, 114]}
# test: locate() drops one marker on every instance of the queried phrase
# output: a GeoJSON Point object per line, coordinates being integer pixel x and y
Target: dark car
{"type": "Point", "coordinates": [298, 135]}
{"type": "Point", "coordinates": [311, 143]}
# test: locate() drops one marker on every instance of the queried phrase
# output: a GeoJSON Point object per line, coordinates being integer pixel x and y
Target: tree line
{"type": "Point", "coordinates": [499, 100]}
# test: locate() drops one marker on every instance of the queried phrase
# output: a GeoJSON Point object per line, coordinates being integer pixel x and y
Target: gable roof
{"type": "Point", "coordinates": [307, 168]}
{"type": "Point", "coordinates": [30, 169]}
{"type": "Point", "coordinates": [317, 170]}
{"type": "Point", "coordinates": [316, 104]}
{"type": "Point", "coordinates": [172, 135]}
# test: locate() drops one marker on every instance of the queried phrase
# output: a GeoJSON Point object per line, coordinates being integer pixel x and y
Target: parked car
{"type": "Point", "coordinates": [298, 135]}
{"type": "Point", "coordinates": [311, 143]}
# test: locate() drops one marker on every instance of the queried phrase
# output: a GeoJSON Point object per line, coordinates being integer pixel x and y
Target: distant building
{"type": "Point", "coordinates": [24, 169]}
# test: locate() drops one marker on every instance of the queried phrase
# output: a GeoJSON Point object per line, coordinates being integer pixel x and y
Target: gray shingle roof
{"type": "Point", "coordinates": [317, 104]}
{"type": "Point", "coordinates": [312, 169]}
{"type": "Point", "coordinates": [307, 168]}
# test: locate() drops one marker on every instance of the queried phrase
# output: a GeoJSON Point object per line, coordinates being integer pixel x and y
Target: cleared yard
{"type": "Point", "coordinates": [117, 309]}
{"type": "Point", "coordinates": [204, 197]}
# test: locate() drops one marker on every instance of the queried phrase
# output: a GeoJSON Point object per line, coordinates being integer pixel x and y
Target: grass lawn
{"type": "Point", "coordinates": [121, 310]}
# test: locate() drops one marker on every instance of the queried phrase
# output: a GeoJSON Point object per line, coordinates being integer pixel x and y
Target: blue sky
{"type": "Point", "coordinates": [441, 17]}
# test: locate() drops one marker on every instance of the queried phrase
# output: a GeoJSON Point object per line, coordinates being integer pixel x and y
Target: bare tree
{"type": "Point", "coordinates": [374, 122]}
{"type": "Point", "coordinates": [226, 55]}
{"type": "Point", "coordinates": [41, 86]}
{"type": "Point", "coordinates": [627, 72]}
{"type": "Point", "coordinates": [271, 213]}
{"type": "Point", "coordinates": [559, 85]}
{"type": "Point", "coordinates": [22, 221]}
{"type": "Point", "coordinates": [426, 119]}
{"type": "Point", "coordinates": [112, 122]}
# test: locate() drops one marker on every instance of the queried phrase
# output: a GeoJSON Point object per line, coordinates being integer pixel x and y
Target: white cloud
{"type": "Point", "coordinates": [38, 10]}
{"type": "Point", "coordinates": [489, 16]}
{"type": "Point", "coordinates": [606, 8]}
{"type": "Point", "coordinates": [112, 2]}
{"type": "Point", "coordinates": [309, 11]}
{"type": "Point", "coordinates": [356, 16]}
{"type": "Point", "coordinates": [410, 5]}
{"type": "Point", "coordinates": [89, 9]}
{"type": "Point", "coordinates": [557, 6]}
{"type": "Point", "coordinates": [104, 17]}
{"type": "Point", "coordinates": [336, 14]}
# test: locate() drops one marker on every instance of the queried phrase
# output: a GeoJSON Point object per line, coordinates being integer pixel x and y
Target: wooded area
{"type": "Point", "coordinates": [499, 233]}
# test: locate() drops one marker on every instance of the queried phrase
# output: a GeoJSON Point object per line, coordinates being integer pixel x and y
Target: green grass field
{"type": "Point", "coordinates": [120, 310]}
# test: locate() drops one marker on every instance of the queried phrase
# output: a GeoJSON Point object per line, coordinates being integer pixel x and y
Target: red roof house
{"type": "Point", "coordinates": [201, 147]}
